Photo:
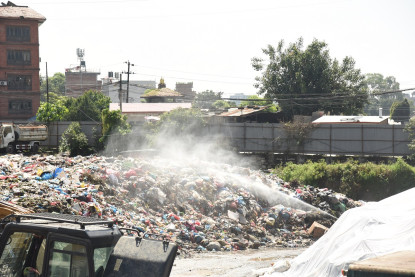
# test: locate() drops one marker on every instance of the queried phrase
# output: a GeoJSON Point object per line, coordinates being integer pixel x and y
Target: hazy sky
{"type": "Point", "coordinates": [212, 42]}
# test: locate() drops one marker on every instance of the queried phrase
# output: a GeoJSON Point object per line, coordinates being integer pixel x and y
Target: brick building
{"type": "Point", "coordinates": [19, 61]}
{"type": "Point", "coordinates": [77, 82]}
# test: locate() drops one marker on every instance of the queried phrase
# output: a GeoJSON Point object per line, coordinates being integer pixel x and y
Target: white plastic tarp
{"type": "Point", "coordinates": [375, 229]}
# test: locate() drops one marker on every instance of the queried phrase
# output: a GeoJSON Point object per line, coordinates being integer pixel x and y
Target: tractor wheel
{"type": "Point", "coordinates": [10, 149]}
{"type": "Point", "coordinates": [35, 148]}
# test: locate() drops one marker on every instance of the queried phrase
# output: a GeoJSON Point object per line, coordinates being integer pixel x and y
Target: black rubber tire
{"type": "Point", "coordinates": [10, 149]}
{"type": "Point", "coordinates": [35, 148]}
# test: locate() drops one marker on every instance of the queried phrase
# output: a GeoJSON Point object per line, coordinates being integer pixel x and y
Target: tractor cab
{"type": "Point", "coordinates": [75, 246]}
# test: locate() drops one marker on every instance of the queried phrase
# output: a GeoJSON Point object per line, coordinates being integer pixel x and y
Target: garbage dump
{"type": "Point", "coordinates": [372, 230]}
{"type": "Point", "coordinates": [201, 206]}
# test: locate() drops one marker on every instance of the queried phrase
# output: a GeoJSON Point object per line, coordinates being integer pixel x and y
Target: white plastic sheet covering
{"type": "Point", "coordinates": [375, 229]}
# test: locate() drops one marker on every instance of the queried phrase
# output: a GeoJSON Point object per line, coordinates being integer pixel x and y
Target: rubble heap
{"type": "Point", "coordinates": [199, 205]}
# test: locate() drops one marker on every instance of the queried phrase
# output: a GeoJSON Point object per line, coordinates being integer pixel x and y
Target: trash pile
{"type": "Point", "coordinates": [201, 206]}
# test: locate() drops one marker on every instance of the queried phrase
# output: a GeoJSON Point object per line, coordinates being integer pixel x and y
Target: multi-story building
{"type": "Point", "coordinates": [111, 88]}
{"type": "Point", "coordinates": [19, 61]}
{"type": "Point", "coordinates": [79, 81]}
{"type": "Point", "coordinates": [186, 89]}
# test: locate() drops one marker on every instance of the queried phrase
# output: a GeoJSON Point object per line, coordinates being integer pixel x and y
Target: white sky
{"type": "Point", "coordinates": [212, 42]}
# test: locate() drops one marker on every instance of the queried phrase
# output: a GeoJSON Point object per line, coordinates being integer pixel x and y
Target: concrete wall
{"type": "Point", "coordinates": [56, 129]}
{"type": "Point", "coordinates": [341, 139]}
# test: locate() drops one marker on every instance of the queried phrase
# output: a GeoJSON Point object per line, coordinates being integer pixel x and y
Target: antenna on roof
{"type": "Point", "coordinates": [81, 53]}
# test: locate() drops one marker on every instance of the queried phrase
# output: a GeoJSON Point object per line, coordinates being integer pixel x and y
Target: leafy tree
{"type": "Point", "coordinates": [56, 85]}
{"type": "Point", "coordinates": [376, 83]}
{"type": "Point", "coordinates": [87, 107]}
{"type": "Point", "coordinates": [410, 129]}
{"type": "Point", "coordinates": [221, 105]}
{"type": "Point", "coordinates": [179, 121]}
{"type": "Point", "coordinates": [253, 101]}
{"type": "Point", "coordinates": [74, 141]}
{"type": "Point", "coordinates": [55, 110]}
{"type": "Point", "coordinates": [272, 108]}
{"type": "Point", "coordinates": [51, 111]}
{"type": "Point", "coordinates": [114, 123]}
{"type": "Point", "coordinates": [53, 98]}
{"type": "Point", "coordinates": [176, 123]}
{"type": "Point", "coordinates": [308, 80]}
{"type": "Point", "coordinates": [206, 99]}
{"type": "Point", "coordinates": [400, 111]}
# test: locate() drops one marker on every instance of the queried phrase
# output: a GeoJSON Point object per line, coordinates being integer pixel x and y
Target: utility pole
{"type": "Point", "coordinates": [120, 92]}
{"type": "Point", "coordinates": [47, 92]}
{"type": "Point", "coordinates": [128, 78]}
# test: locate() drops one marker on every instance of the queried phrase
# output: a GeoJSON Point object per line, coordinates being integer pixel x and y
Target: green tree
{"type": "Point", "coordinates": [87, 107]}
{"type": "Point", "coordinates": [253, 100]}
{"type": "Point", "coordinates": [376, 84]}
{"type": "Point", "coordinates": [114, 121]}
{"type": "Point", "coordinates": [114, 124]}
{"type": "Point", "coordinates": [56, 85]}
{"type": "Point", "coordinates": [51, 111]}
{"type": "Point", "coordinates": [74, 141]}
{"type": "Point", "coordinates": [400, 111]}
{"type": "Point", "coordinates": [308, 80]}
{"type": "Point", "coordinates": [183, 123]}
{"type": "Point", "coordinates": [221, 105]}
{"type": "Point", "coordinates": [55, 110]}
{"type": "Point", "coordinates": [410, 129]}
{"type": "Point", "coordinates": [272, 108]}
{"type": "Point", "coordinates": [206, 99]}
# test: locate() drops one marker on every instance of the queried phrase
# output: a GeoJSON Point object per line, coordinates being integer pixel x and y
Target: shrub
{"type": "Point", "coordinates": [74, 141]}
{"type": "Point", "coordinates": [367, 181]}
{"type": "Point", "coordinates": [400, 111]}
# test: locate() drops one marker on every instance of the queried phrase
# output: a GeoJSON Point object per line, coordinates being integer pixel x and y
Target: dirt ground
{"type": "Point", "coordinates": [238, 263]}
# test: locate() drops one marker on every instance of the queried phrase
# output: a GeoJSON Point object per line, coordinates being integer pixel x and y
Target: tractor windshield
{"type": "Point", "coordinates": [68, 259]}
{"type": "Point", "coordinates": [101, 256]}
{"type": "Point", "coordinates": [14, 254]}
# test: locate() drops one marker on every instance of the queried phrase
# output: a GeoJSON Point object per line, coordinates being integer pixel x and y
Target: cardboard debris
{"type": "Point", "coordinates": [317, 230]}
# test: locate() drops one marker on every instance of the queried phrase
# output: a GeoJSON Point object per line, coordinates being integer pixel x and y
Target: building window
{"type": "Point", "coordinates": [20, 106]}
{"type": "Point", "coordinates": [18, 57]}
{"type": "Point", "coordinates": [19, 82]}
{"type": "Point", "coordinates": [18, 33]}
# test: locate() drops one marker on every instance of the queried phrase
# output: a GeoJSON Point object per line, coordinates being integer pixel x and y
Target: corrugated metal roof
{"type": "Point", "coordinates": [148, 107]}
{"type": "Point", "coordinates": [242, 112]}
{"type": "Point", "coordinates": [16, 12]}
{"type": "Point", "coordinates": [339, 119]}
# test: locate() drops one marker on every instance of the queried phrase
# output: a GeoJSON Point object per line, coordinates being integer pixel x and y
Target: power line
{"type": "Point", "coordinates": [392, 91]}
{"type": "Point", "coordinates": [203, 74]}
{"type": "Point", "coordinates": [201, 80]}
